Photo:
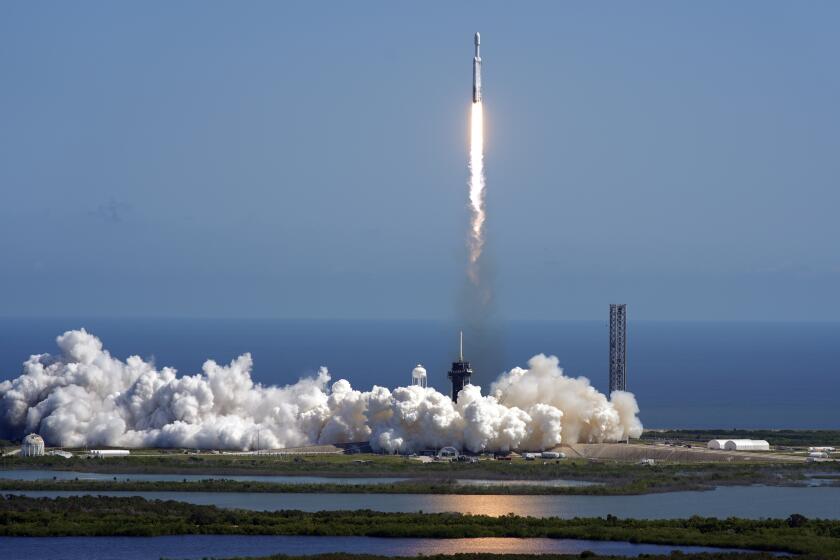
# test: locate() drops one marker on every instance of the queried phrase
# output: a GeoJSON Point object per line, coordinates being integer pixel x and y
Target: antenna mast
{"type": "Point", "coordinates": [461, 352]}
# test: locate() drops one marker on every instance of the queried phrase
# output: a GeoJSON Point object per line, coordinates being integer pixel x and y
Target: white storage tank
{"type": "Point", "coordinates": [102, 453]}
{"type": "Point", "coordinates": [32, 446]}
{"type": "Point", "coordinates": [553, 455]}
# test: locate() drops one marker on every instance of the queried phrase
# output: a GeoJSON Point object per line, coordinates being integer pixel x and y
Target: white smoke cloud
{"type": "Point", "coordinates": [86, 397]}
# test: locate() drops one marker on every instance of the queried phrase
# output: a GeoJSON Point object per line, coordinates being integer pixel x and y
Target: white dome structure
{"type": "Point", "coordinates": [33, 446]}
{"type": "Point", "coordinates": [739, 444]}
{"type": "Point", "coordinates": [747, 445]}
{"type": "Point", "coordinates": [418, 376]}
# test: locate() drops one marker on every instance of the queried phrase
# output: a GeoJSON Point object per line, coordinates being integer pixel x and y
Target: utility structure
{"type": "Point", "coordinates": [460, 372]}
{"type": "Point", "coordinates": [418, 376]}
{"type": "Point", "coordinates": [618, 347]}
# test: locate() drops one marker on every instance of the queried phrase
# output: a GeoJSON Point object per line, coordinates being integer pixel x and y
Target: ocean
{"type": "Point", "coordinates": [684, 374]}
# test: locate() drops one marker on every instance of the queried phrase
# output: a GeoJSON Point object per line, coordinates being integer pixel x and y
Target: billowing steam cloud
{"type": "Point", "coordinates": [87, 397]}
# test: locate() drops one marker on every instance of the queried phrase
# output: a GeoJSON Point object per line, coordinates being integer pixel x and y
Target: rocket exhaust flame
{"type": "Point", "coordinates": [477, 214]}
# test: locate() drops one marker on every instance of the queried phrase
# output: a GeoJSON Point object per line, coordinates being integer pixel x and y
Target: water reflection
{"type": "Point", "coordinates": [554, 483]}
{"type": "Point", "coordinates": [204, 546]}
{"type": "Point", "coordinates": [744, 501]}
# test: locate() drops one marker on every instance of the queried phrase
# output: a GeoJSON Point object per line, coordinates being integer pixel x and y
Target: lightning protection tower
{"type": "Point", "coordinates": [618, 347]}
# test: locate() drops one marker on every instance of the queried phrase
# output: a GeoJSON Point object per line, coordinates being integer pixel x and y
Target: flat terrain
{"type": "Point", "coordinates": [801, 439]}
{"type": "Point", "coordinates": [670, 453]}
{"type": "Point", "coordinates": [589, 463]}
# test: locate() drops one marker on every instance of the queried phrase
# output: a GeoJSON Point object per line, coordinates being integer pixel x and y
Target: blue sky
{"type": "Point", "coordinates": [308, 159]}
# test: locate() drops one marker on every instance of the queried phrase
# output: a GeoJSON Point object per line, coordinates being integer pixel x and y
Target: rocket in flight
{"type": "Point", "coordinates": [477, 70]}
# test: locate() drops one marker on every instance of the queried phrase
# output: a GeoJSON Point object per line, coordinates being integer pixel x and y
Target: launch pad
{"type": "Point", "coordinates": [461, 372]}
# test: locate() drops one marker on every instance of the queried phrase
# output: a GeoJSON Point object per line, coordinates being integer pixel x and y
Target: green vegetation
{"type": "Point", "coordinates": [166, 461]}
{"type": "Point", "coordinates": [407, 487]}
{"type": "Point", "coordinates": [101, 516]}
{"type": "Point", "coordinates": [784, 438]}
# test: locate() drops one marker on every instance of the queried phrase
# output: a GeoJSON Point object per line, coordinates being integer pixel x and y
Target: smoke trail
{"type": "Point", "coordinates": [477, 215]}
{"type": "Point", "coordinates": [478, 319]}
{"type": "Point", "coordinates": [86, 397]}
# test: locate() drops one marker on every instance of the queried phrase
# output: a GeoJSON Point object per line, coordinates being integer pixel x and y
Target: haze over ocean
{"type": "Point", "coordinates": [201, 159]}
{"type": "Point", "coordinates": [684, 374]}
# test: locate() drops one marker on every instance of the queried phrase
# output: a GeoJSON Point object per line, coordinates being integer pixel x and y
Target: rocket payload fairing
{"type": "Point", "coordinates": [477, 70]}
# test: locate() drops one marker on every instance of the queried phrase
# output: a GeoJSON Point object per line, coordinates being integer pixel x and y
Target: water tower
{"type": "Point", "coordinates": [418, 376]}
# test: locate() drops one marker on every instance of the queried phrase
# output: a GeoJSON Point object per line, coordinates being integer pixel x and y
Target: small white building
{"type": "Point", "coordinates": [32, 446]}
{"type": "Point", "coordinates": [60, 453]}
{"type": "Point", "coordinates": [739, 444]}
{"type": "Point", "coordinates": [102, 453]}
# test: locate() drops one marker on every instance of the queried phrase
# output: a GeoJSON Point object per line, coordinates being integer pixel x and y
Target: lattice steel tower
{"type": "Point", "coordinates": [460, 372]}
{"type": "Point", "coordinates": [618, 347]}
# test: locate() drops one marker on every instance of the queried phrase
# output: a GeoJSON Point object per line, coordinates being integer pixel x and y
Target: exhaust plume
{"type": "Point", "coordinates": [477, 215]}
{"type": "Point", "coordinates": [86, 397]}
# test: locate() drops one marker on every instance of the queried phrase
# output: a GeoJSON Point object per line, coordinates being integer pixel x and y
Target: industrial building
{"type": "Point", "coordinates": [460, 373]}
{"type": "Point", "coordinates": [618, 347]}
{"type": "Point", "coordinates": [739, 444]}
{"type": "Point", "coordinates": [32, 446]}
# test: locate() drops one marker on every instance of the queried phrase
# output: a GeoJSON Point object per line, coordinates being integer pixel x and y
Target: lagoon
{"type": "Point", "coordinates": [220, 546]}
{"type": "Point", "coordinates": [751, 502]}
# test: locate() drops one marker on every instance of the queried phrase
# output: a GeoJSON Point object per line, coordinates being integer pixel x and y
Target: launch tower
{"type": "Point", "coordinates": [460, 372]}
{"type": "Point", "coordinates": [618, 347]}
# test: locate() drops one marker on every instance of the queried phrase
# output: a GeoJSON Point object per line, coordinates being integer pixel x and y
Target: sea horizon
{"type": "Point", "coordinates": [685, 374]}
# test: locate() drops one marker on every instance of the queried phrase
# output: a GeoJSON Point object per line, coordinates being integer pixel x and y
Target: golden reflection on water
{"type": "Point", "coordinates": [495, 545]}
{"type": "Point", "coordinates": [499, 505]}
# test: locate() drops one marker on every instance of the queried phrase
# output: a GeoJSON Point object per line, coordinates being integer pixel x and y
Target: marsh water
{"type": "Point", "coordinates": [25, 474]}
{"type": "Point", "coordinates": [219, 546]}
{"type": "Point", "coordinates": [752, 502]}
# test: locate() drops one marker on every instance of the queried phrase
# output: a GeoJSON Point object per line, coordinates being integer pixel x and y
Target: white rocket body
{"type": "Point", "coordinates": [477, 70]}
